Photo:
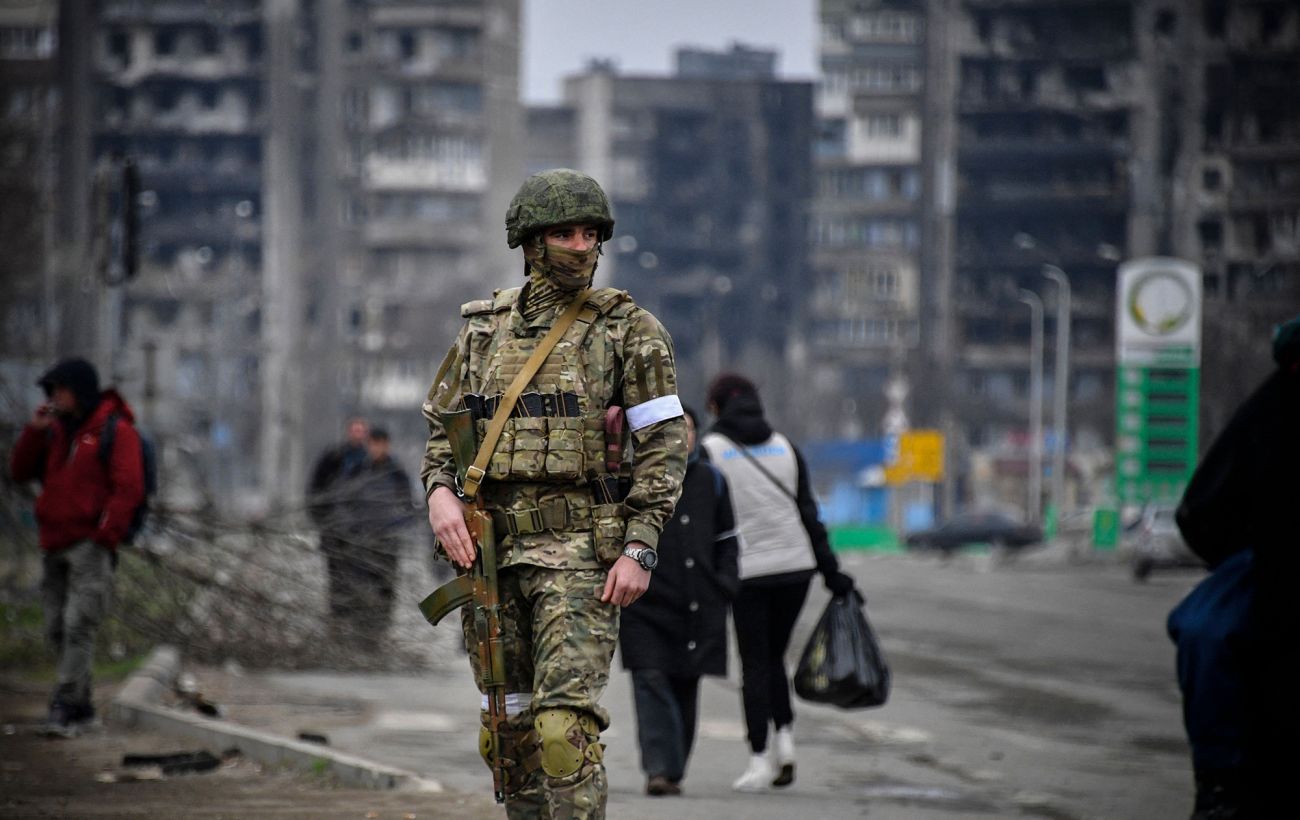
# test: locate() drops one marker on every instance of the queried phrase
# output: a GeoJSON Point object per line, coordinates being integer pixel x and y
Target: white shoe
{"type": "Point", "coordinates": [783, 748]}
{"type": "Point", "coordinates": [758, 777]}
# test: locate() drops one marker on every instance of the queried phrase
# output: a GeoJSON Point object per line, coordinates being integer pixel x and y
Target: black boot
{"type": "Point", "coordinates": [1220, 795]}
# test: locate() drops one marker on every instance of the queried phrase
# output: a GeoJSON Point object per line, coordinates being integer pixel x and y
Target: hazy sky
{"type": "Point", "coordinates": [561, 36]}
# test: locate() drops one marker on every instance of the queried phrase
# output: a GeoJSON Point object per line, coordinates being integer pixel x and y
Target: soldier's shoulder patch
{"type": "Point", "coordinates": [611, 301]}
{"type": "Point", "coordinates": [501, 300]}
{"type": "Point", "coordinates": [504, 299]}
{"type": "Point", "coordinates": [476, 307]}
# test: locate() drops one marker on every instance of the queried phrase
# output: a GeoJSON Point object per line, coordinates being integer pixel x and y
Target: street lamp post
{"type": "Point", "coordinates": [1035, 402]}
{"type": "Point", "coordinates": [1060, 386]}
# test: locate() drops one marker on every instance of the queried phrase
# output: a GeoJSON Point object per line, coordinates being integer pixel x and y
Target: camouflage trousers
{"type": "Point", "coordinates": [76, 589]}
{"type": "Point", "coordinates": [558, 639]}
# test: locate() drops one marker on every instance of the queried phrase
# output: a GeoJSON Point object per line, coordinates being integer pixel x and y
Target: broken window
{"type": "Point", "coordinates": [1211, 233]}
{"type": "Point", "coordinates": [831, 138]}
{"type": "Point", "coordinates": [1216, 17]}
{"type": "Point", "coordinates": [164, 42]}
{"type": "Point", "coordinates": [1086, 78]}
{"type": "Point", "coordinates": [1166, 22]}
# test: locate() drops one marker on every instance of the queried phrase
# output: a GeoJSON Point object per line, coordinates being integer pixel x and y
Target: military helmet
{"type": "Point", "coordinates": [560, 196]}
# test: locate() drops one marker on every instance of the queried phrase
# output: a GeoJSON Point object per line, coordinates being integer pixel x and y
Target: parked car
{"type": "Point", "coordinates": [995, 528]}
{"type": "Point", "coordinates": [1157, 542]}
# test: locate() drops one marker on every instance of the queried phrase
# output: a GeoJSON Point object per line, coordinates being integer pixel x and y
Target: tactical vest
{"type": "Point", "coordinates": [555, 446]}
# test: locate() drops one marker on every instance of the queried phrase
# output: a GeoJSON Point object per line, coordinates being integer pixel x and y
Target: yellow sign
{"type": "Point", "coordinates": [920, 458]}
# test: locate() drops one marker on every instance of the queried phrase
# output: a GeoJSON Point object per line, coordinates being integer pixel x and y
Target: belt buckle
{"type": "Point", "coordinates": [531, 517]}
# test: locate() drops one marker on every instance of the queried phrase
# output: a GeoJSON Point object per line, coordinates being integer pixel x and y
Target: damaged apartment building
{"type": "Point", "coordinates": [1080, 134]}
{"type": "Point", "coordinates": [315, 185]}
{"type": "Point", "coordinates": [862, 324]}
{"type": "Point", "coordinates": [709, 172]}
{"type": "Point", "coordinates": [28, 124]}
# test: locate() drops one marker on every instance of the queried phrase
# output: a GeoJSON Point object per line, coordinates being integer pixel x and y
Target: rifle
{"type": "Point", "coordinates": [478, 587]}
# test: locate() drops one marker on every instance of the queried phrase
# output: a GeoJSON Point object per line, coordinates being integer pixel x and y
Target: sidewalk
{"type": "Point", "coordinates": [84, 777]}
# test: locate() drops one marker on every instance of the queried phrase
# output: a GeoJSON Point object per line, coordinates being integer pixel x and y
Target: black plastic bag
{"type": "Point", "coordinates": [842, 663]}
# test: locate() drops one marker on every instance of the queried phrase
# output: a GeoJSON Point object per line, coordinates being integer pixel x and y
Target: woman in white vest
{"type": "Point", "coordinates": [782, 544]}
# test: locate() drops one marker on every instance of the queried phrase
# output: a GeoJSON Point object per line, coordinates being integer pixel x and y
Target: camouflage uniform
{"type": "Point", "coordinates": [556, 542]}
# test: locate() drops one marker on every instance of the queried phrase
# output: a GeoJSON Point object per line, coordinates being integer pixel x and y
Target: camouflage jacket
{"type": "Point", "coordinates": [616, 354]}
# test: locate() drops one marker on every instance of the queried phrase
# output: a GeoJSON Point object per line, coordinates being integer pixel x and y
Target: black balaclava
{"type": "Point", "coordinates": [79, 376]}
{"type": "Point", "coordinates": [740, 413]}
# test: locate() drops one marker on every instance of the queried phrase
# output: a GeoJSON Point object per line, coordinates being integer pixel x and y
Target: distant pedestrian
{"type": "Point", "coordinates": [335, 507]}
{"type": "Point", "coordinates": [384, 511]}
{"type": "Point", "coordinates": [84, 510]}
{"type": "Point", "coordinates": [677, 631]}
{"type": "Point", "coordinates": [782, 544]}
{"type": "Point", "coordinates": [1237, 631]}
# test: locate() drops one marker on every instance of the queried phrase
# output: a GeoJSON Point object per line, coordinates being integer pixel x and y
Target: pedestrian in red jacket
{"type": "Point", "coordinates": [83, 511]}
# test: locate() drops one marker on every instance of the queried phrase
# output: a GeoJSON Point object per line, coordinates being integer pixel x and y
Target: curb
{"type": "Point", "coordinates": [138, 705]}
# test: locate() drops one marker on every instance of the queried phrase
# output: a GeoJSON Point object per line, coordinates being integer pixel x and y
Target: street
{"type": "Point", "coordinates": [1037, 688]}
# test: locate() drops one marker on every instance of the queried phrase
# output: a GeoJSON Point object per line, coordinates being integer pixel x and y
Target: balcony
{"type": "Point", "coordinates": [1021, 150]}
{"type": "Point", "coordinates": [228, 12]}
{"type": "Point", "coordinates": [385, 173]}
{"type": "Point", "coordinates": [406, 233]}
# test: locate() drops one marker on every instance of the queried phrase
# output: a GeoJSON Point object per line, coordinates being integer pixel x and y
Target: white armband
{"type": "Point", "coordinates": [648, 412]}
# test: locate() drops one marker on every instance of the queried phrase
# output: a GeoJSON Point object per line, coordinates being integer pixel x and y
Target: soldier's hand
{"type": "Point", "coordinates": [447, 518]}
{"type": "Point", "coordinates": [626, 582]}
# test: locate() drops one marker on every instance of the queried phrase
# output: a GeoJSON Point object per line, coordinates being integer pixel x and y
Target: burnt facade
{"type": "Point", "coordinates": [28, 166]}
{"type": "Point", "coordinates": [1046, 136]}
{"type": "Point", "coordinates": [862, 324]}
{"type": "Point", "coordinates": [710, 176]}
{"type": "Point", "coordinates": [1080, 134]}
{"type": "Point", "coordinates": [430, 101]}
{"type": "Point", "coordinates": [1238, 212]}
{"type": "Point", "coordinates": [315, 201]}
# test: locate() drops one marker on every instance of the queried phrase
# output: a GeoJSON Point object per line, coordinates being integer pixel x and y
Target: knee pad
{"type": "Point", "coordinates": [518, 753]}
{"type": "Point", "coordinates": [569, 741]}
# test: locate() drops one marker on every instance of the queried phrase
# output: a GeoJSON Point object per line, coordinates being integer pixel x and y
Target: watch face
{"type": "Point", "coordinates": [649, 559]}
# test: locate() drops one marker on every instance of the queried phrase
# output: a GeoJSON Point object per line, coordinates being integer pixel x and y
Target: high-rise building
{"type": "Point", "coordinates": [1231, 69]}
{"type": "Point", "coordinates": [319, 184]}
{"type": "Point", "coordinates": [863, 319]}
{"type": "Point", "coordinates": [430, 158]}
{"type": "Point", "coordinates": [1079, 134]}
{"type": "Point", "coordinates": [709, 171]}
{"type": "Point", "coordinates": [28, 168]}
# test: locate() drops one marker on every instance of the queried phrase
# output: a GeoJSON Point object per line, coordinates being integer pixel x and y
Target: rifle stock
{"type": "Point", "coordinates": [478, 588]}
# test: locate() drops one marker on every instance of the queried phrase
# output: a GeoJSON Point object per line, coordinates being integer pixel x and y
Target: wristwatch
{"type": "Point", "coordinates": [646, 557]}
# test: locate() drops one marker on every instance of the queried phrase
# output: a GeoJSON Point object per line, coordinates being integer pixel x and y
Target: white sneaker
{"type": "Point", "coordinates": [783, 747]}
{"type": "Point", "coordinates": [756, 778]}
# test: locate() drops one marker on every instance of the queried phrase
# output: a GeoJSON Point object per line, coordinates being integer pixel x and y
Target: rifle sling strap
{"type": "Point", "coordinates": [478, 470]}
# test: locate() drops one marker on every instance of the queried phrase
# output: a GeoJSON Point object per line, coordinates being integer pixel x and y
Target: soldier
{"type": "Point", "coordinates": [576, 525]}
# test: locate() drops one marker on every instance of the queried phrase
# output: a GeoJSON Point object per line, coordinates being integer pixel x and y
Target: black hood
{"type": "Point", "coordinates": [79, 376]}
{"type": "Point", "coordinates": [741, 419]}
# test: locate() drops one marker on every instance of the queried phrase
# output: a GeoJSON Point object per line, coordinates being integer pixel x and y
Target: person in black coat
{"type": "Point", "coordinates": [1236, 632]}
{"type": "Point", "coordinates": [677, 631]}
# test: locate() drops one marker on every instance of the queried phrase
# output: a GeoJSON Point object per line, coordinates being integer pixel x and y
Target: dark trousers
{"type": "Point", "coordinates": [666, 715]}
{"type": "Point", "coordinates": [362, 581]}
{"type": "Point", "coordinates": [1235, 634]}
{"type": "Point", "coordinates": [1212, 629]}
{"type": "Point", "coordinates": [765, 618]}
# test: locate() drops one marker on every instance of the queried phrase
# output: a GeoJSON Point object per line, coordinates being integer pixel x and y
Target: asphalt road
{"type": "Point", "coordinates": [1038, 688]}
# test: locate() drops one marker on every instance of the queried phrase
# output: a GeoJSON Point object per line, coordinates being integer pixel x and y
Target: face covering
{"type": "Point", "coordinates": [566, 269]}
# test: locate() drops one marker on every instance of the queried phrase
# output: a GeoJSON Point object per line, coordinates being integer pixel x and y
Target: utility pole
{"type": "Point", "coordinates": [1035, 403]}
{"type": "Point", "coordinates": [77, 289]}
{"type": "Point", "coordinates": [1060, 388]}
{"type": "Point", "coordinates": [282, 313]}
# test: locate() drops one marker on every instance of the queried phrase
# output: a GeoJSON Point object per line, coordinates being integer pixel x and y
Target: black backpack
{"type": "Point", "coordinates": [148, 458]}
